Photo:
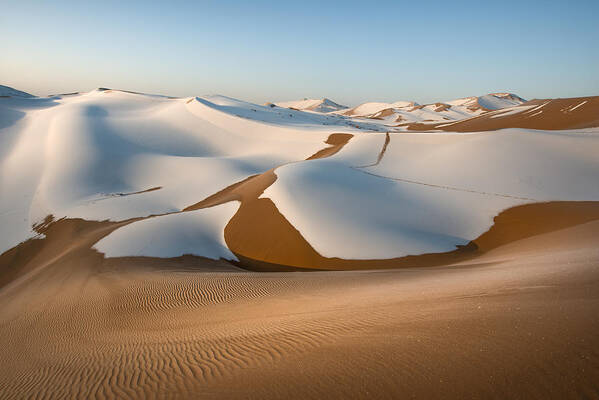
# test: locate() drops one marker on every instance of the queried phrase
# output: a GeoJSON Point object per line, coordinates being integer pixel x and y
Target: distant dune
{"type": "Point", "coordinates": [6, 91]}
{"type": "Point", "coordinates": [447, 250]}
{"type": "Point", "coordinates": [318, 105]}
{"type": "Point", "coordinates": [489, 102]}
{"type": "Point", "coordinates": [403, 113]}
{"type": "Point", "coordinates": [548, 114]}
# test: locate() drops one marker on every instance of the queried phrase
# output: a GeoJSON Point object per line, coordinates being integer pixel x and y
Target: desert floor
{"type": "Point", "coordinates": [520, 321]}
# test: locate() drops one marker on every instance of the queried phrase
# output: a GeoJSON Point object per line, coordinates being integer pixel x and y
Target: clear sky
{"type": "Point", "coordinates": [282, 50]}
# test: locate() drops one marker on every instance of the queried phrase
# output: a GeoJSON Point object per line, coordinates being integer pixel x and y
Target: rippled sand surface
{"type": "Point", "coordinates": [518, 322]}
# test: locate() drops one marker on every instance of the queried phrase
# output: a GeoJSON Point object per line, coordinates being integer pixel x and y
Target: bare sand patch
{"type": "Point", "coordinates": [336, 142]}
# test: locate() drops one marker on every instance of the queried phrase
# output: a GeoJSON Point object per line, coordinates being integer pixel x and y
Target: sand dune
{"type": "Point", "coordinates": [303, 203]}
{"type": "Point", "coordinates": [489, 102]}
{"type": "Point", "coordinates": [206, 247]}
{"type": "Point", "coordinates": [317, 105]}
{"type": "Point", "coordinates": [517, 320]}
{"type": "Point", "coordinates": [72, 156]}
{"type": "Point", "coordinates": [6, 91]}
{"type": "Point", "coordinates": [428, 193]}
{"type": "Point", "coordinates": [550, 114]}
{"type": "Point", "coordinates": [408, 113]}
{"type": "Point", "coordinates": [371, 108]}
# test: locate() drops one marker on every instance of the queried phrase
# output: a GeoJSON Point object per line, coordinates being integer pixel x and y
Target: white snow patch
{"type": "Point", "coordinates": [511, 111]}
{"type": "Point", "coordinates": [430, 192]}
{"type": "Point", "coordinates": [344, 212]}
{"type": "Point", "coordinates": [199, 232]}
{"type": "Point", "coordinates": [574, 108]}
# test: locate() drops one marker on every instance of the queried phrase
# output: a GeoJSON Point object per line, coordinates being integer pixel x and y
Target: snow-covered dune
{"type": "Point", "coordinates": [371, 108]}
{"type": "Point", "coordinates": [429, 192]}
{"type": "Point", "coordinates": [7, 91]}
{"type": "Point", "coordinates": [548, 114]}
{"type": "Point", "coordinates": [402, 113]}
{"type": "Point", "coordinates": [337, 183]}
{"type": "Point", "coordinates": [317, 105]}
{"type": "Point", "coordinates": [489, 102]}
{"type": "Point", "coordinates": [95, 155]}
{"type": "Point", "coordinates": [197, 232]}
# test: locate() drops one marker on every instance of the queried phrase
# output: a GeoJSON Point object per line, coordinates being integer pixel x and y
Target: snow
{"type": "Point", "coordinates": [71, 156]}
{"type": "Point", "coordinates": [523, 163]}
{"type": "Point", "coordinates": [538, 107]}
{"type": "Point", "coordinates": [344, 212]}
{"type": "Point", "coordinates": [8, 91]}
{"type": "Point", "coordinates": [575, 107]}
{"type": "Point", "coordinates": [492, 101]}
{"type": "Point", "coordinates": [429, 114]}
{"type": "Point", "coordinates": [403, 104]}
{"type": "Point", "coordinates": [281, 118]}
{"type": "Point", "coordinates": [499, 100]}
{"type": "Point", "coordinates": [198, 233]}
{"type": "Point", "coordinates": [455, 110]}
{"type": "Point", "coordinates": [430, 192]}
{"type": "Point", "coordinates": [512, 110]}
{"type": "Point", "coordinates": [317, 105]}
{"type": "Point", "coordinates": [466, 101]}
{"type": "Point", "coordinates": [95, 156]}
{"type": "Point", "coordinates": [366, 109]}
{"type": "Point", "coordinates": [410, 112]}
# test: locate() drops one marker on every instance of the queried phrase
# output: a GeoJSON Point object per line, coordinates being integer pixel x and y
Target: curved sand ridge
{"type": "Point", "coordinates": [264, 240]}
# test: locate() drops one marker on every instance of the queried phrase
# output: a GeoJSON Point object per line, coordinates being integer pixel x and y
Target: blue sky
{"type": "Point", "coordinates": [270, 50]}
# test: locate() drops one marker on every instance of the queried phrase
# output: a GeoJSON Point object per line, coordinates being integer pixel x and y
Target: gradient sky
{"type": "Point", "coordinates": [272, 50]}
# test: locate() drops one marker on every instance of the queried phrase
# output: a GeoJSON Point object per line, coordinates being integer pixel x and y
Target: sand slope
{"type": "Point", "coordinates": [518, 322]}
